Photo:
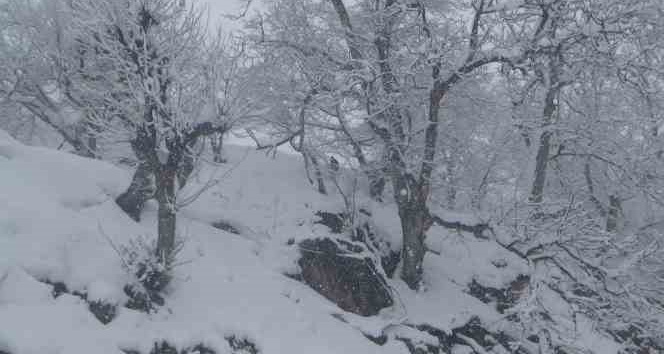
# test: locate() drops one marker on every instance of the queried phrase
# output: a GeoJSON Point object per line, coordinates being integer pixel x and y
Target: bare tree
{"type": "Point", "coordinates": [140, 78]}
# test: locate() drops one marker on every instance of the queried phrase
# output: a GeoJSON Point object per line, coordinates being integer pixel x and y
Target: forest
{"type": "Point", "coordinates": [412, 176]}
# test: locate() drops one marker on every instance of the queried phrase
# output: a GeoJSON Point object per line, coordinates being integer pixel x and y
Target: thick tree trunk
{"type": "Point", "coordinates": [140, 191]}
{"type": "Point", "coordinates": [166, 226]}
{"type": "Point", "coordinates": [412, 196]}
{"type": "Point", "coordinates": [415, 220]}
{"type": "Point", "coordinates": [543, 149]}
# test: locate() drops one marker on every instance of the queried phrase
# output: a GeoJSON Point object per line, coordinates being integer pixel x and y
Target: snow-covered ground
{"type": "Point", "coordinates": [59, 222]}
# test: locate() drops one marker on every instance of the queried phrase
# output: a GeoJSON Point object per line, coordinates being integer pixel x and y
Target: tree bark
{"type": "Point", "coordinates": [410, 193]}
{"type": "Point", "coordinates": [376, 186]}
{"type": "Point", "coordinates": [543, 149]}
{"type": "Point", "coordinates": [319, 175]}
{"type": "Point", "coordinates": [613, 216]}
{"type": "Point", "coordinates": [185, 169]}
{"type": "Point", "coordinates": [415, 221]}
{"type": "Point", "coordinates": [166, 226]}
{"type": "Point", "coordinates": [217, 142]}
{"type": "Point", "coordinates": [553, 87]}
{"type": "Point", "coordinates": [139, 192]}
{"type": "Point", "coordinates": [541, 161]}
{"type": "Point", "coordinates": [412, 196]}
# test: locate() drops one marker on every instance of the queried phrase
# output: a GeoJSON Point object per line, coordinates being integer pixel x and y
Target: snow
{"type": "Point", "coordinates": [58, 221]}
{"type": "Point", "coordinates": [17, 287]}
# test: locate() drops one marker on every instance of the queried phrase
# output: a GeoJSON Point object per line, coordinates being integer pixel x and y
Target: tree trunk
{"type": "Point", "coordinates": [140, 191]}
{"type": "Point", "coordinates": [550, 105]}
{"type": "Point", "coordinates": [613, 216]}
{"type": "Point", "coordinates": [415, 221]}
{"type": "Point", "coordinates": [451, 188]}
{"type": "Point", "coordinates": [541, 161]}
{"type": "Point", "coordinates": [376, 186]}
{"type": "Point", "coordinates": [217, 142]}
{"type": "Point", "coordinates": [185, 169]}
{"type": "Point", "coordinates": [319, 176]}
{"type": "Point", "coordinates": [166, 215]}
{"type": "Point", "coordinates": [542, 158]}
{"type": "Point", "coordinates": [413, 225]}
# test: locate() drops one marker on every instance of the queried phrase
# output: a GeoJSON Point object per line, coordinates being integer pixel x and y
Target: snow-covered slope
{"type": "Point", "coordinates": [59, 223]}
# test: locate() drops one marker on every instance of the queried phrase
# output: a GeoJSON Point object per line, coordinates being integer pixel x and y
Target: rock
{"type": "Point", "coordinates": [503, 298]}
{"type": "Point", "coordinates": [103, 311]}
{"type": "Point", "coordinates": [365, 233]}
{"type": "Point", "coordinates": [337, 270]}
{"type": "Point", "coordinates": [225, 226]}
{"type": "Point", "coordinates": [335, 221]}
{"type": "Point", "coordinates": [163, 348]}
{"type": "Point", "coordinates": [389, 258]}
{"type": "Point", "coordinates": [636, 342]}
{"type": "Point", "coordinates": [240, 345]}
{"type": "Point", "coordinates": [142, 300]}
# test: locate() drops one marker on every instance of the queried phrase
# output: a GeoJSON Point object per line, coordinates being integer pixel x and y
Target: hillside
{"type": "Point", "coordinates": [60, 231]}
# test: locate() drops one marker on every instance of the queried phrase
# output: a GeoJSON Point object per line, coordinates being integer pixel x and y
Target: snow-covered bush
{"type": "Point", "coordinates": [150, 273]}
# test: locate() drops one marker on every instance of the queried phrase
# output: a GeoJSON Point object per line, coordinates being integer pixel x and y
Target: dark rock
{"type": "Point", "coordinates": [238, 346]}
{"type": "Point", "coordinates": [364, 233]}
{"type": "Point", "coordinates": [487, 294]}
{"type": "Point", "coordinates": [241, 345]}
{"type": "Point", "coordinates": [389, 258]}
{"type": "Point", "coordinates": [335, 221]}
{"type": "Point", "coordinates": [130, 351]}
{"type": "Point", "coordinates": [636, 342]}
{"type": "Point", "coordinates": [163, 348]}
{"type": "Point", "coordinates": [478, 230]}
{"type": "Point", "coordinates": [583, 290]}
{"type": "Point", "coordinates": [380, 340]}
{"type": "Point", "coordinates": [473, 329]}
{"type": "Point", "coordinates": [104, 312]}
{"type": "Point", "coordinates": [225, 226]}
{"type": "Point", "coordinates": [499, 263]}
{"type": "Point", "coordinates": [147, 295]}
{"type": "Point", "coordinates": [59, 288]}
{"type": "Point", "coordinates": [336, 270]}
{"type": "Point", "coordinates": [142, 300]}
{"type": "Point", "coordinates": [199, 349]}
{"type": "Point", "coordinates": [503, 298]}
{"type": "Point", "coordinates": [418, 348]}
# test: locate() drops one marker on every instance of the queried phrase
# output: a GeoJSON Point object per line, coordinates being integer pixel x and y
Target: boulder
{"type": "Point", "coordinates": [342, 272]}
